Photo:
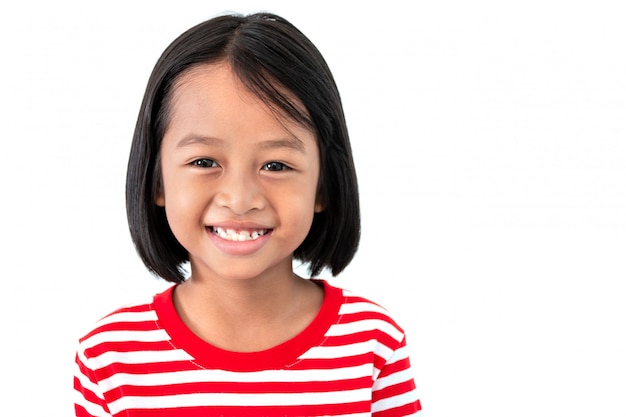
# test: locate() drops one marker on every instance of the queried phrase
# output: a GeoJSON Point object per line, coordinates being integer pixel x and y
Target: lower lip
{"type": "Point", "coordinates": [236, 248]}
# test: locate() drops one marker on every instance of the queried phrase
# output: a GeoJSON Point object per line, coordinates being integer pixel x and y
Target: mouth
{"type": "Point", "coordinates": [238, 235]}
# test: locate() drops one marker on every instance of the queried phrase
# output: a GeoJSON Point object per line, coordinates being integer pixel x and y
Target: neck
{"type": "Point", "coordinates": [250, 314]}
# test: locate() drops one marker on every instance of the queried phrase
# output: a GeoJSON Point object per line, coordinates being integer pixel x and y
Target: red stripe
{"type": "Point", "coordinates": [395, 367]}
{"type": "Point", "coordinates": [143, 325]}
{"type": "Point", "coordinates": [403, 410]}
{"type": "Point", "coordinates": [86, 371]}
{"type": "Point", "coordinates": [363, 336]}
{"type": "Point", "coordinates": [232, 411]}
{"type": "Point", "coordinates": [89, 395]}
{"type": "Point", "coordinates": [393, 390]}
{"type": "Point", "coordinates": [332, 363]}
{"type": "Point", "coordinates": [144, 368]}
{"type": "Point", "coordinates": [127, 346]}
{"type": "Point", "coordinates": [368, 315]}
{"type": "Point", "coordinates": [123, 326]}
{"type": "Point", "coordinates": [80, 411]}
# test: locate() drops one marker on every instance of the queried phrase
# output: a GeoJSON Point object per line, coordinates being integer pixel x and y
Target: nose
{"type": "Point", "coordinates": [240, 193]}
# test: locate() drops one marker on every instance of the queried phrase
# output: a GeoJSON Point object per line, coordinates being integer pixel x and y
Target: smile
{"type": "Point", "coordinates": [238, 236]}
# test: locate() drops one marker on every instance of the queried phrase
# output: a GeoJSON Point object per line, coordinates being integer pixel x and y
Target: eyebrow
{"type": "Point", "coordinates": [290, 142]}
{"type": "Point", "coordinates": [199, 139]}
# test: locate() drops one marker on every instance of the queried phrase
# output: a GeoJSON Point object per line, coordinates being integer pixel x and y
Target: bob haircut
{"type": "Point", "coordinates": [270, 56]}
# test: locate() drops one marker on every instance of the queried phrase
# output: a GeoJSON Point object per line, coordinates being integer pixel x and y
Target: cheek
{"type": "Point", "coordinates": [298, 210]}
{"type": "Point", "coordinates": [186, 202]}
{"type": "Point", "coordinates": [179, 191]}
{"type": "Point", "coordinates": [183, 207]}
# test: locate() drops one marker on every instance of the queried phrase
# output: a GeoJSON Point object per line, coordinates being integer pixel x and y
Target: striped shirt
{"type": "Point", "coordinates": [141, 360]}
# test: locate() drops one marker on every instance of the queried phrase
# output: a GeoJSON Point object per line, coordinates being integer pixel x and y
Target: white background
{"type": "Point", "coordinates": [490, 143]}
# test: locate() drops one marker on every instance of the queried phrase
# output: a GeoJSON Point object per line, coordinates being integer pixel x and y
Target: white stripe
{"type": "Point", "coordinates": [158, 335]}
{"type": "Point", "coordinates": [342, 329]}
{"type": "Point", "coordinates": [396, 356]}
{"type": "Point", "coordinates": [393, 379]}
{"type": "Point", "coordinates": [141, 357]}
{"type": "Point", "coordinates": [93, 409]}
{"type": "Point", "coordinates": [243, 400]}
{"type": "Point", "coordinates": [400, 354]}
{"type": "Point", "coordinates": [86, 382]}
{"type": "Point", "coordinates": [361, 307]}
{"type": "Point", "coordinates": [353, 415]}
{"type": "Point", "coordinates": [343, 351]}
{"type": "Point", "coordinates": [79, 398]}
{"type": "Point", "coordinates": [128, 316]}
{"type": "Point", "coordinates": [204, 375]}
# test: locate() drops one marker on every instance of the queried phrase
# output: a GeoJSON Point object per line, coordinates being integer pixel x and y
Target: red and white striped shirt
{"type": "Point", "coordinates": [142, 361]}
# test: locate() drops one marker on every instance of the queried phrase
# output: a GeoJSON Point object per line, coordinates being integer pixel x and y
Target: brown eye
{"type": "Point", "coordinates": [204, 163]}
{"type": "Point", "coordinates": [275, 166]}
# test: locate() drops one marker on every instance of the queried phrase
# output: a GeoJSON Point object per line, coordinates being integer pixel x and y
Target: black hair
{"type": "Point", "coordinates": [269, 55]}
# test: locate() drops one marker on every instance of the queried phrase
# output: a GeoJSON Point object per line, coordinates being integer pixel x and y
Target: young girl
{"type": "Point", "coordinates": [241, 164]}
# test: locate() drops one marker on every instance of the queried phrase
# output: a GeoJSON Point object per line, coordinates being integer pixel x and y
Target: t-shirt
{"type": "Point", "coordinates": [142, 360]}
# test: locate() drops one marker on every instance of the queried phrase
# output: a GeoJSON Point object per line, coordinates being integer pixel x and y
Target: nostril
{"type": "Point", "coordinates": [240, 198]}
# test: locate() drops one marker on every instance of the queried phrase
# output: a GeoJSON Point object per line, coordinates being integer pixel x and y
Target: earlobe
{"type": "Point", "coordinates": [319, 206]}
{"type": "Point", "coordinates": [160, 198]}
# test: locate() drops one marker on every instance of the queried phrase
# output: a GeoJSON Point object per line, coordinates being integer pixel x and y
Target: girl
{"type": "Point", "coordinates": [241, 164]}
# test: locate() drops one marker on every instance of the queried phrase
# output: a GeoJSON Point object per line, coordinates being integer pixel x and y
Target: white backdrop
{"type": "Point", "coordinates": [490, 143]}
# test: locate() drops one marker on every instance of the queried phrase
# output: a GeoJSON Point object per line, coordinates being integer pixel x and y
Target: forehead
{"type": "Point", "coordinates": [252, 85]}
{"type": "Point", "coordinates": [211, 98]}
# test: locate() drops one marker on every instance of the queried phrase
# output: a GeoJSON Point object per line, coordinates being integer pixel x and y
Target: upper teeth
{"type": "Point", "coordinates": [240, 236]}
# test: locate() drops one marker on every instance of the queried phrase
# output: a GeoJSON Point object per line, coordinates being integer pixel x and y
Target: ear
{"type": "Point", "coordinates": [159, 199]}
{"type": "Point", "coordinates": [320, 205]}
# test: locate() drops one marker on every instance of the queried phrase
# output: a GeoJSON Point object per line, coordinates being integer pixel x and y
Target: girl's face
{"type": "Point", "coordinates": [239, 184]}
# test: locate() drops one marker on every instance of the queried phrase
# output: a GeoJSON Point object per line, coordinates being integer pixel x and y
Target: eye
{"type": "Point", "coordinates": [275, 166]}
{"type": "Point", "coordinates": [204, 163]}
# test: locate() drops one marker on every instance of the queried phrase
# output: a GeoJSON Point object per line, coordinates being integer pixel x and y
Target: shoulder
{"type": "Point", "coordinates": [130, 320]}
{"type": "Point", "coordinates": [358, 314]}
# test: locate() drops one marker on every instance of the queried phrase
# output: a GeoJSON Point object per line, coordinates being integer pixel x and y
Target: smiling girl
{"type": "Point", "coordinates": [241, 164]}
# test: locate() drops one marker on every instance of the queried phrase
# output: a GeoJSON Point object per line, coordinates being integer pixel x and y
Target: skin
{"type": "Point", "coordinates": [228, 162]}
